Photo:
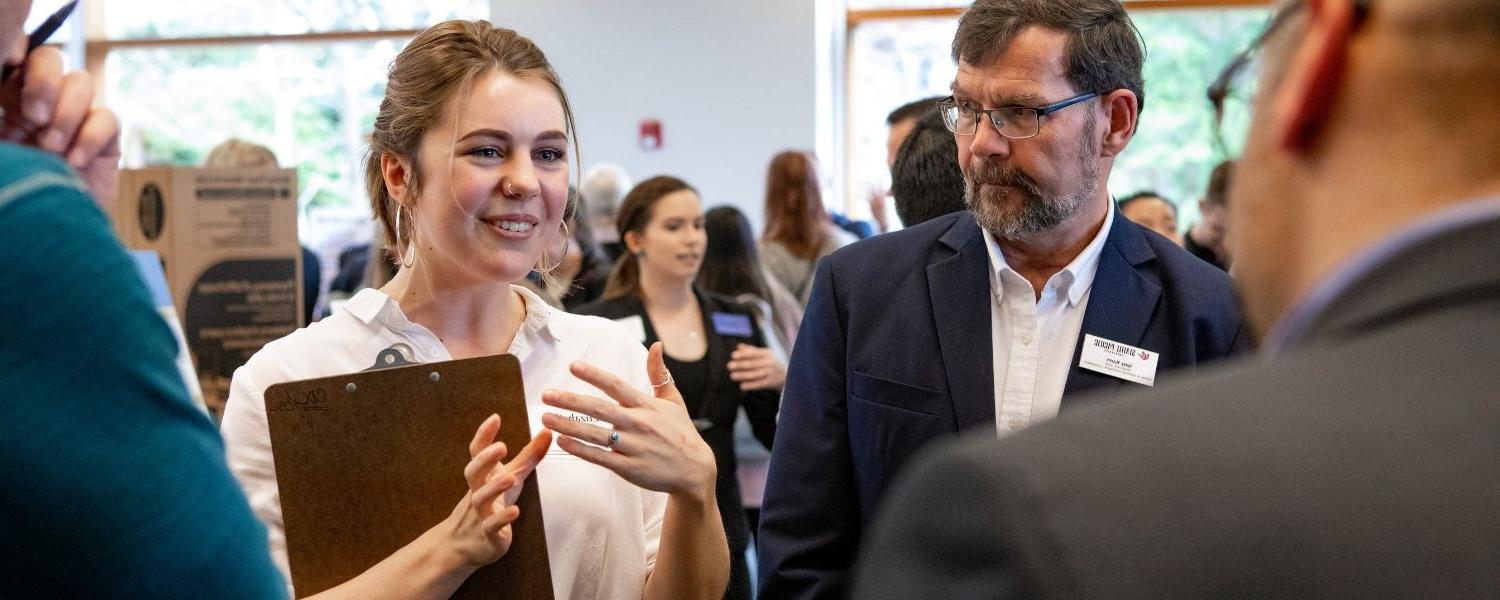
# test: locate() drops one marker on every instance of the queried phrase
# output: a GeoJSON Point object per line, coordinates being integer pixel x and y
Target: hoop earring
{"type": "Point", "coordinates": [400, 249]}
{"type": "Point", "coordinates": [548, 270]}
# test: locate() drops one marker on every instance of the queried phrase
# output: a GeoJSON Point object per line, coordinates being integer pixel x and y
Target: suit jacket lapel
{"type": "Point", "coordinates": [1121, 302]}
{"type": "Point", "coordinates": [959, 289]}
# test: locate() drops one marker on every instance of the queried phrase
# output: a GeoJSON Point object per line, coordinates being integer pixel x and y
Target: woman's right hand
{"type": "Point", "coordinates": [652, 443]}
{"type": "Point", "coordinates": [478, 530]}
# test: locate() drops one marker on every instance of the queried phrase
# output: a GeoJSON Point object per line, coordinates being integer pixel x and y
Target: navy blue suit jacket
{"type": "Point", "coordinates": [894, 352]}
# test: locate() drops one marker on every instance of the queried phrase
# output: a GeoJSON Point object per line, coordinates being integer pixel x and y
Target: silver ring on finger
{"type": "Point", "coordinates": [614, 438]}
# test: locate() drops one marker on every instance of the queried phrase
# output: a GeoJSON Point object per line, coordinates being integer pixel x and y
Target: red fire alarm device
{"type": "Point", "coordinates": [651, 135]}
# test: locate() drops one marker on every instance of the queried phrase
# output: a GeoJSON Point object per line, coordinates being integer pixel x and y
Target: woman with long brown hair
{"type": "Point", "coordinates": [468, 176]}
{"type": "Point", "coordinates": [799, 231]}
{"type": "Point", "coordinates": [651, 291]}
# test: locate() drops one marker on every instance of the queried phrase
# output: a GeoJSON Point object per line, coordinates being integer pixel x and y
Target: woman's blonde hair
{"type": "Point", "coordinates": [239, 154]}
{"type": "Point", "coordinates": [435, 67]}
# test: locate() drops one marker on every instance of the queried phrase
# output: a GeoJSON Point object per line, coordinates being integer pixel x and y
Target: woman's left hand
{"type": "Point", "coordinates": [653, 445]}
{"type": "Point", "coordinates": [756, 368]}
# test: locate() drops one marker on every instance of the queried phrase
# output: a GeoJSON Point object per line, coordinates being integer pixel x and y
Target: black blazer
{"type": "Point", "coordinates": [721, 403]}
{"type": "Point", "coordinates": [895, 353]}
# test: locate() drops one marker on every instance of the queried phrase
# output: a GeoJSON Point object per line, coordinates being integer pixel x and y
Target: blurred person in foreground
{"type": "Point", "coordinates": [112, 483]}
{"type": "Point", "coordinates": [1359, 458]}
{"type": "Point", "coordinates": [1152, 211]}
{"type": "Point", "coordinates": [991, 318]}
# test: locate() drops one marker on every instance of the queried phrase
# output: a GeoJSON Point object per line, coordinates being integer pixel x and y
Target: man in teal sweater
{"type": "Point", "coordinates": [112, 484]}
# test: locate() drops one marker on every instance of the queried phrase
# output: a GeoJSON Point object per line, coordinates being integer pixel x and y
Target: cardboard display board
{"type": "Point", "coordinates": [367, 462]}
{"type": "Point", "coordinates": [228, 243]}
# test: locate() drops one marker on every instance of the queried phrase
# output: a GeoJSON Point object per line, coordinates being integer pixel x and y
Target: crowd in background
{"type": "Point", "coordinates": [706, 263]}
{"type": "Point", "coordinates": [1356, 459]}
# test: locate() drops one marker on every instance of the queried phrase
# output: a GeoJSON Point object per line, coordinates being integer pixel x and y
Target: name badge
{"type": "Point", "coordinates": [635, 326]}
{"type": "Point", "coordinates": [1118, 360]}
{"type": "Point", "coordinates": [732, 324]}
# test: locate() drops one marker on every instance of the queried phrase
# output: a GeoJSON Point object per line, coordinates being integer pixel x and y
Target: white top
{"type": "Point", "coordinates": [602, 531]}
{"type": "Point", "coordinates": [1033, 338]}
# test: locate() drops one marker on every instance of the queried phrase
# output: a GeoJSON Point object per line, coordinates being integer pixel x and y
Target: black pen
{"type": "Point", "coordinates": [44, 31]}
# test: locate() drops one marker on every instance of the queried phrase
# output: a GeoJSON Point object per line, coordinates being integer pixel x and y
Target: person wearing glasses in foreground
{"type": "Point", "coordinates": [990, 318]}
{"type": "Point", "coordinates": [1359, 459]}
{"type": "Point", "coordinates": [468, 174]}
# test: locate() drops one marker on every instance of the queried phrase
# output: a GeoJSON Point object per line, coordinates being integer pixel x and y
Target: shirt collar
{"type": "Point", "coordinates": [1078, 276]}
{"type": "Point", "coordinates": [538, 314]}
{"type": "Point", "coordinates": [374, 306]}
{"type": "Point", "coordinates": [1290, 328]}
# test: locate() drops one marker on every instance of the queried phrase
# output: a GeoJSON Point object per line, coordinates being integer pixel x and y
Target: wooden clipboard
{"type": "Point", "coordinates": [367, 462]}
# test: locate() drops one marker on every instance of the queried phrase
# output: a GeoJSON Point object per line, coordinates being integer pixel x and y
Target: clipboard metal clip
{"type": "Point", "coordinates": [398, 355]}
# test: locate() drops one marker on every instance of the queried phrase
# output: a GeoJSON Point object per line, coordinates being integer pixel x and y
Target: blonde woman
{"type": "Point", "coordinates": [468, 175]}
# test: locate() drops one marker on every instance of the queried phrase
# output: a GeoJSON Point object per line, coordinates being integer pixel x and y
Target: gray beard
{"type": "Point", "coordinates": [1037, 212]}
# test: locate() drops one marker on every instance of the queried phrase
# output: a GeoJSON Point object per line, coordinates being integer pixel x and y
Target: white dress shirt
{"type": "Point", "coordinates": [1033, 338]}
{"type": "Point", "coordinates": [602, 531]}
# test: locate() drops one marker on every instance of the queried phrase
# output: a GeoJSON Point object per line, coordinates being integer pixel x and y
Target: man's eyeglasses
{"type": "Point", "coordinates": [1013, 122]}
{"type": "Point", "coordinates": [1234, 82]}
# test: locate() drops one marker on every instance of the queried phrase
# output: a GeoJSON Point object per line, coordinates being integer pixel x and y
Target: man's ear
{"type": "Point", "coordinates": [397, 172]}
{"type": "Point", "coordinates": [1123, 110]}
{"type": "Point", "coordinates": [1314, 74]}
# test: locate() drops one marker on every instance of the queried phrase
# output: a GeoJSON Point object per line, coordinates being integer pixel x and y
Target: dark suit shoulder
{"type": "Point", "coordinates": [889, 267]}
{"type": "Point", "coordinates": [1236, 477]}
{"type": "Point", "coordinates": [898, 248]}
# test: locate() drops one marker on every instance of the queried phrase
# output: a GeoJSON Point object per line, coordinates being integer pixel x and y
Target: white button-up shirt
{"type": "Point", "coordinates": [1034, 338]}
{"type": "Point", "coordinates": [602, 532]}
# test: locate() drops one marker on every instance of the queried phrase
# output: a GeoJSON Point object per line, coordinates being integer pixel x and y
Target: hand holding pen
{"type": "Point", "coordinates": [53, 111]}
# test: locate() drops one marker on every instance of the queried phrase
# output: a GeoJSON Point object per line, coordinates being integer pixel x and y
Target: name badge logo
{"type": "Point", "coordinates": [1119, 360]}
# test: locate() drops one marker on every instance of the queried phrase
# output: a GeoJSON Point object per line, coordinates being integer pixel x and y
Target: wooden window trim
{"type": "Point", "coordinates": [292, 38]}
{"type": "Point", "coordinates": [857, 17]}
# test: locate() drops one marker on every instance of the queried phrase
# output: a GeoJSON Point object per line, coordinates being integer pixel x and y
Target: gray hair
{"type": "Point", "coordinates": [602, 189]}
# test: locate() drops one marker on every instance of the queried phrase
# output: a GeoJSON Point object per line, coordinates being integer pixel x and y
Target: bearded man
{"type": "Point", "coordinates": [987, 318]}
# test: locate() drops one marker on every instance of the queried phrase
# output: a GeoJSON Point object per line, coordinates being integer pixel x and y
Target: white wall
{"type": "Point", "coordinates": [733, 82]}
